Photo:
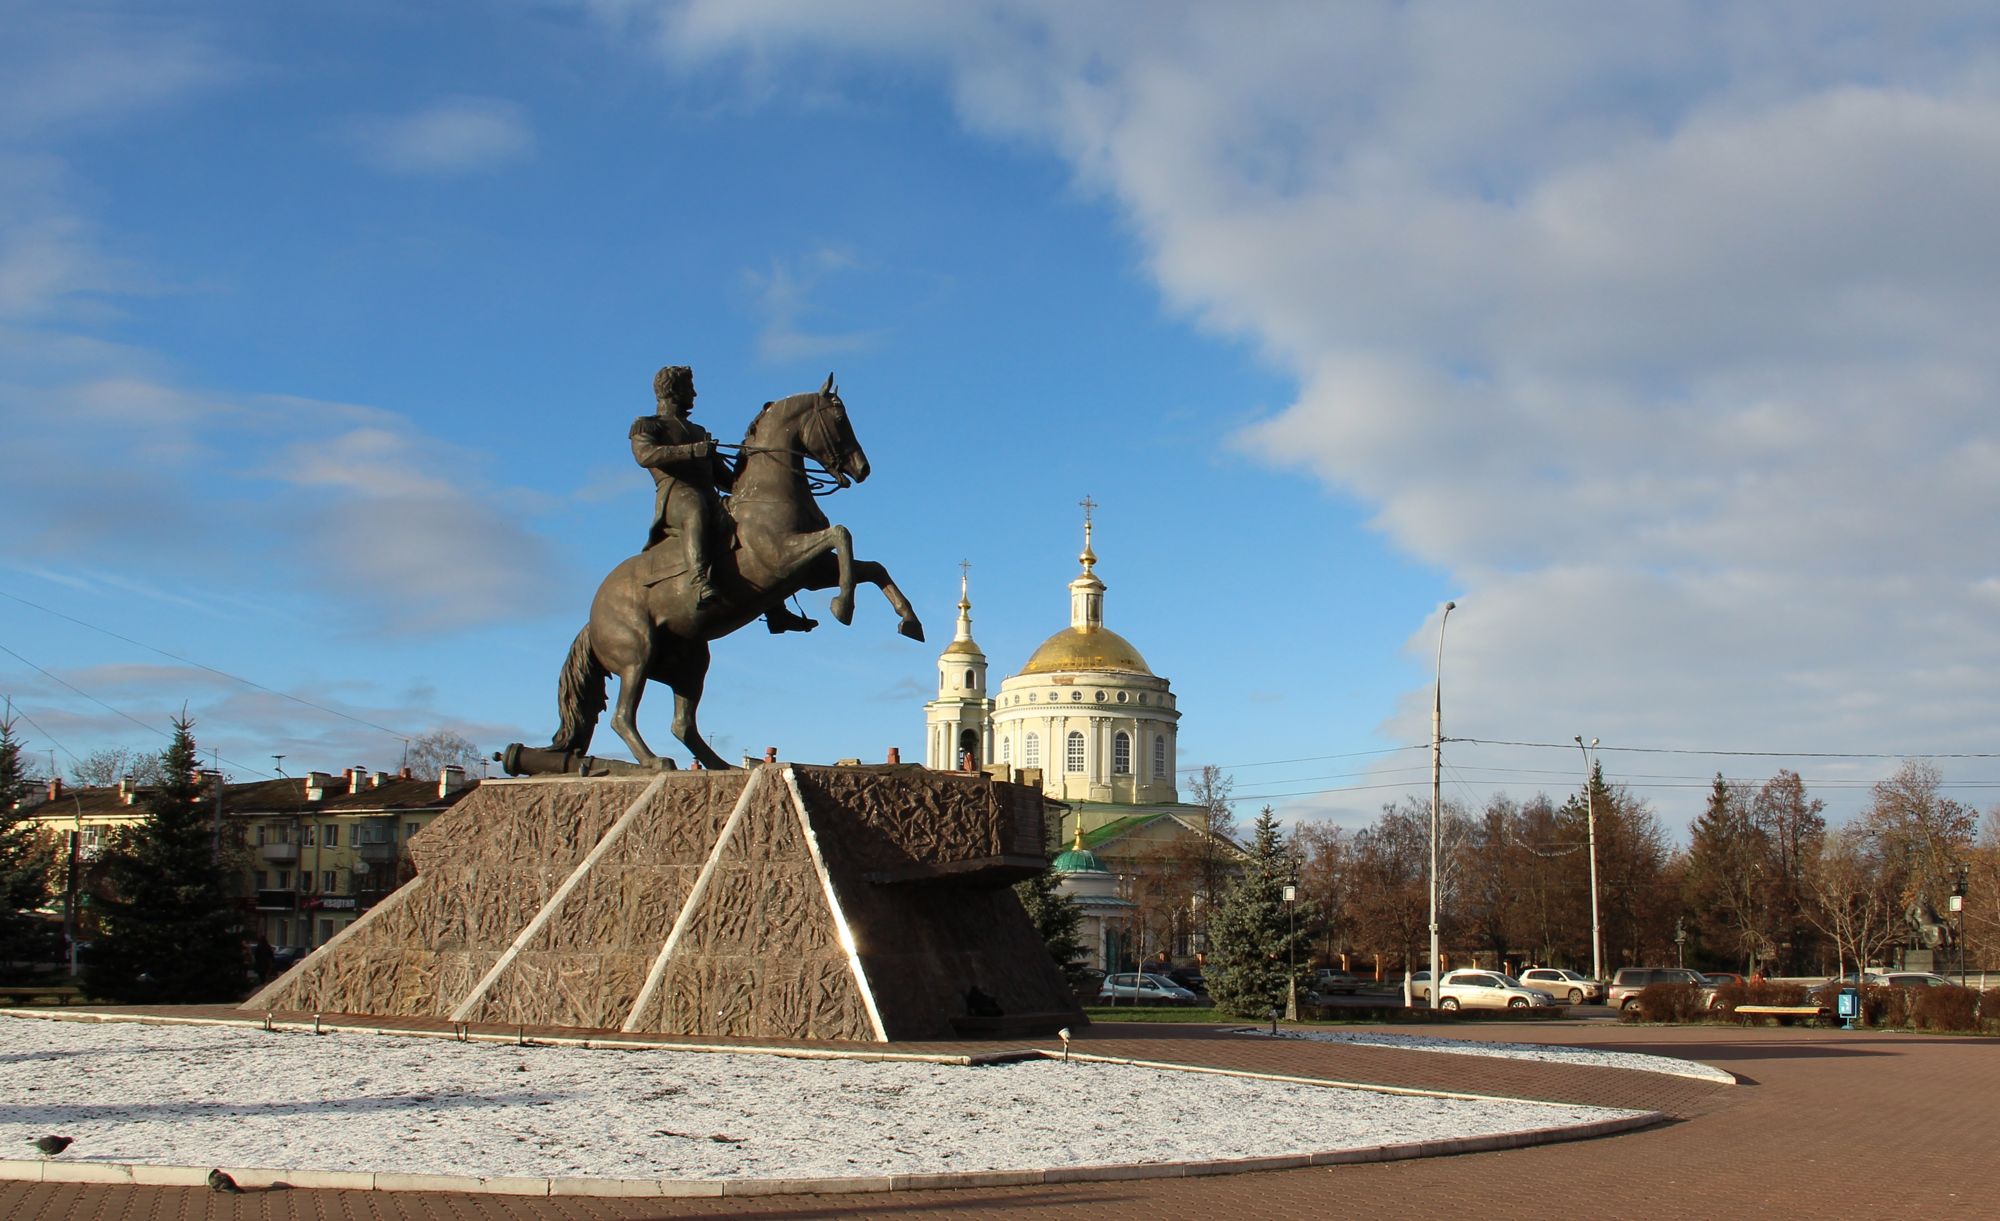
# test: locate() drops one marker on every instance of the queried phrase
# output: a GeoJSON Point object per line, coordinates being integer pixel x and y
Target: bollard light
{"type": "Point", "coordinates": [1063, 1034]}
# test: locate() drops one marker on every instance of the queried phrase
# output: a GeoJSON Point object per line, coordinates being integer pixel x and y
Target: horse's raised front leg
{"type": "Point", "coordinates": [872, 572]}
{"type": "Point", "coordinates": [803, 567]}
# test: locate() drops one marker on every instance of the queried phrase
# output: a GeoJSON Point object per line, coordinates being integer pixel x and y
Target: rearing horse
{"type": "Point", "coordinates": [644, 621]}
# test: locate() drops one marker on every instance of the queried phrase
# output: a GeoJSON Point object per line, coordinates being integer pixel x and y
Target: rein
{"type": "Point", "coordinates": [820, 480]}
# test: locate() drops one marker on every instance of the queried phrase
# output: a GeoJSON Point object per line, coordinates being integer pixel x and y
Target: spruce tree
{"type": "Point", "coordinates": [168, 932]}
{"type": "Point", "coordinates": [25, 857]}
{"type": "Point", "coordinates": [1056, 919]}
{"type": "Point", "coordinates": [1253, 947]}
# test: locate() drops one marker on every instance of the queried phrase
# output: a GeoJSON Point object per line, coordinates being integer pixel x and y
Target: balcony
{"type": "Point", "coordinates": [282, 854]}
{"type": "Point", "coordinates": [277, 900]}
{"type": "Point", "coordinates": [378, 854]}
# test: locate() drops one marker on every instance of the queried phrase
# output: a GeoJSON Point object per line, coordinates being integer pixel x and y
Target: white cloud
{"type": "Point", "coordinates": [66, 66]}
{"type": "Point", "coordinates": [458, 135]}
{"type": "Point", "coordinates": [783, 295]}
{"type": "Point", "coordinates": [1665, 332]}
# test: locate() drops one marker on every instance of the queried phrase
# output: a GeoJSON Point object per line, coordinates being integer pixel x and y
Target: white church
{"type": "Point", "coordinates": [1088, 719]}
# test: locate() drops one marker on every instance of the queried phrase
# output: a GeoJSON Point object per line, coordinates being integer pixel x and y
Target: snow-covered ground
{"type": "Point", "coordinates": [1516, 1051]}
{"type": "Point", "coordinates": [225, 1095]}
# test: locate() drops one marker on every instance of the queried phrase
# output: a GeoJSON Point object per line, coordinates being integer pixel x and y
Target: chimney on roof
{"type": "Point", "coordinates": [405, 774]}
{"type": "Point", "coordinates": [377, 779]}
{"type": "Point", "coordinates": [355, 776]}
{"type": "Point", "coordinates": [126, 789]}
{"type": "Point", "coordinates": [451, 778]}
{"type": "Point", "coordinates": [55, 788]}
{"type": "Point", "coordinates": [316, 785]}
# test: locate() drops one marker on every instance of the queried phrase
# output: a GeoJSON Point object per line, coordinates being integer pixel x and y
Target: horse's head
{"type": "Point", "coordinates": [828, 437]}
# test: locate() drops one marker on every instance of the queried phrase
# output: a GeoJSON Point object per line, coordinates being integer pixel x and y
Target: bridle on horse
{"type": "Point", "coordinates": [827, 479]}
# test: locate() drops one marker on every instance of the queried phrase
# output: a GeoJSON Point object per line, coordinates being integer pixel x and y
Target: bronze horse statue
{"type": "Point", "coordinates": [645, 622]}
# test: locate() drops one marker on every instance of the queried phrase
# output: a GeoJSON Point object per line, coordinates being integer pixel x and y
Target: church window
{"type": "Point", "coordinates": [1032, 697]}
{"type": "Point", "coordinates": [1121, 753]}
{"type": "Point", "coordinates": [968, 680]}
{"type": "Point", "coordinates": [1100, 697]}
{"type": "Point", "coordinates": [968, 747]}
{"type": "Point", "coordinates": [1075, 694]}
{"type": "Point", "coordinates": [1122, 695]}
{"type": "Point", "coordinates": [1142, 697]}
{"type": "Point", "coordinates": [1160, 757]}
{"type": "Point", "coordinates": [1031, 751]}
{"type": "Point", "coordinates": [1073, 760]}
{"type": "Point", "coordinates": [1007, 750]}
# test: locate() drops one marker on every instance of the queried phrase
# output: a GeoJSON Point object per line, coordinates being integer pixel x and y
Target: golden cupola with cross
{"type": "Point", "coordinates": [1086, 711]}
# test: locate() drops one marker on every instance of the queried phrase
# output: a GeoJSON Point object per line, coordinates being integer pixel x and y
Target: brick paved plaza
{"type": "Point", "coordinates": [1822, 1119]}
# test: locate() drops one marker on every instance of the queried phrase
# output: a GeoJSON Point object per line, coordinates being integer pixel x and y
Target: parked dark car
{"type": "Point", "coordinates": [1189, 978]}
{"type": "Point", "coordinates": [1630, 981]}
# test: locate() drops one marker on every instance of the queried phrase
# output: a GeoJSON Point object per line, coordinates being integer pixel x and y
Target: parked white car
{"type": "Point", "coordinates": [1473, 989]}
{"type": "Point", "coordinates": [1564, 985]}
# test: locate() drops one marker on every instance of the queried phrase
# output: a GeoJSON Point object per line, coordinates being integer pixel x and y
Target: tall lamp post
{"type": "Point", "coordinates": [1291, 893]}
{"type": "Point", "coordinates": [1437, 792]}
{"type": "Point", "coordinates": [1590, 818]}
{"type": "Point", "coordinates": [1961, 872]}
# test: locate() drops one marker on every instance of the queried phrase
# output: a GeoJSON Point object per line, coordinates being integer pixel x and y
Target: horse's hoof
{"type": "Point", "coordinates": [911, 628]}
{"type": "Point", "coordinates": [843, 610]}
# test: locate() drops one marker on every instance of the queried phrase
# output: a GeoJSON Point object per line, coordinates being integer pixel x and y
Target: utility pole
{"type": "Point", "coordinates": [1590, 815]}
{"type": "Point", "coordinates": [1437, 792]}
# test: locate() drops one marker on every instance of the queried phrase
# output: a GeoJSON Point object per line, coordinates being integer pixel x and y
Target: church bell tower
{"type": "Point", "coordinates": [958, 723]}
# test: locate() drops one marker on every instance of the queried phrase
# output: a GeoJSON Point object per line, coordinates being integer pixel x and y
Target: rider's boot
{"type": "Point", "coordinates": [705, 593]}
{"type": "Point", "coordinates": [780, 619]}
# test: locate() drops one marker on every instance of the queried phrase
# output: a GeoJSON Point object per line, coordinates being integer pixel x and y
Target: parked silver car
{"type": "Point", "coordinates": [1157, 989]}
{"type": "Point", "coordinates": [1564, 985]}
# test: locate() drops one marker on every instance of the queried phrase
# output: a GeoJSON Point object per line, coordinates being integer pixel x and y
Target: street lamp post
{"type": "Point", "coordinates": [1590, 818]}
{"type": "Point", "coordinates": [1960, 874]}
{"type": "Point", "coordinates": [1292, 945]}
{"type": "Point", "coordinates": [1437, 792]}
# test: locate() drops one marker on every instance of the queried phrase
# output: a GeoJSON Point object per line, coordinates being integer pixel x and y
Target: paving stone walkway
{"type": "Point", "coordinates": [1822, 1115]}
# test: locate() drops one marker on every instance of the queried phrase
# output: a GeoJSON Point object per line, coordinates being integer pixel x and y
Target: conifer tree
{"type": "Point", "coordinates": [25, 858]}
{"type": "Point", "coordinates": [167, 929]}
{"type": "Point", "coordinates": [1252, 945]}
{"type": "Point", "coordinates": [1056, 919]}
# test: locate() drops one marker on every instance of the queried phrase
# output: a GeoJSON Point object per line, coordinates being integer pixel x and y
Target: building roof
{"type": "Point", "coordinates": [286, 795]}
{"type": "Point", "coordinates": [1087, 648]}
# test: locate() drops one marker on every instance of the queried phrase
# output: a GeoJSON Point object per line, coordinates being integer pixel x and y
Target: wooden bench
{"type": "Point", "coordinates": [51, 994]}
{"type": "Point", "coordinates": [1786, 1013]}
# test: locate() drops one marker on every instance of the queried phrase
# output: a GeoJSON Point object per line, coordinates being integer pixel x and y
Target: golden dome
{"type": "Point", "coordinates": [1093, 648]}
{"type": "Point", "coordinates": [962, 646]}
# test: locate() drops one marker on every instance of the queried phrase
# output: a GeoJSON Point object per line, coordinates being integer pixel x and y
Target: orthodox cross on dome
{"type": "Point", "coordinates": [964, 601]}
{"type": "Point", "coordinates": [1089, 557]}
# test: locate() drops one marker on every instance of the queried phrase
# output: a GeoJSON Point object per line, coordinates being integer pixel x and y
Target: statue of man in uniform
{"type": "Point", "coordinates": [688, 473]}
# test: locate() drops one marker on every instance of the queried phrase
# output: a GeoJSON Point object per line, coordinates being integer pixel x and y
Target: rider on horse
{"type": "Point", "coordinates": [688, 473]}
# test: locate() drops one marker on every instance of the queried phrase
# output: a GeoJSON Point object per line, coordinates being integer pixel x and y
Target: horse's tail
{"type": "Point", "coordinates": [580, 696]}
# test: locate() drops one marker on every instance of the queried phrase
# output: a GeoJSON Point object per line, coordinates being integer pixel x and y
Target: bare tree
{"type": "Point", "coordinates": [430, 753]}
{"type": "Point", "coordinates": [1851, 899]}
{"type": "Point", "coordinates": [103, 768]}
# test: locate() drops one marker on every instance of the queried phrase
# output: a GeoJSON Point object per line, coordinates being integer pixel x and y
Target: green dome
{"type": "Point", "coordinates": [1077, 860]}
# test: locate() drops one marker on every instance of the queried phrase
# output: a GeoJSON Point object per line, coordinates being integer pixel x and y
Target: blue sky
{"type": "Point", "coordinates": [1661, 341]}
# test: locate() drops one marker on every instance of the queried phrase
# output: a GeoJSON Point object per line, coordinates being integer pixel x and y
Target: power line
{"type": "Point", "coordinates": [108, 708]}
{"type": "Point", "coordinates": [235, 678]}
{"type": "Point", "coordinates": [1756, 754]}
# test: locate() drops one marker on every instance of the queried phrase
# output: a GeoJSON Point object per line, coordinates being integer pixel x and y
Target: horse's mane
{"type": "Point", "coordinates": [765, 415]}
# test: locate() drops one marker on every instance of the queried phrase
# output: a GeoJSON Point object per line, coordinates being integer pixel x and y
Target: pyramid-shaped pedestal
{"type": "Point", "coordinates": [778, 902]}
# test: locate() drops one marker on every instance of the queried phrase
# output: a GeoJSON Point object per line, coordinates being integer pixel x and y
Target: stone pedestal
{"type": "Point", "coordinates": [785, 901]}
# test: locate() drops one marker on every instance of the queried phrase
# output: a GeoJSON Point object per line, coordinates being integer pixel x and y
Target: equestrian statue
{"type": "Point", "coordinates": [711, 565]}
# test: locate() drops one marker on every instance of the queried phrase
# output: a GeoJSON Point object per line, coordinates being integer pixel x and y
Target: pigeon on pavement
{"type": "Point", "coordinates": [49, 1146]}
{"type": "Point", "coordinates": [218, 1181]}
